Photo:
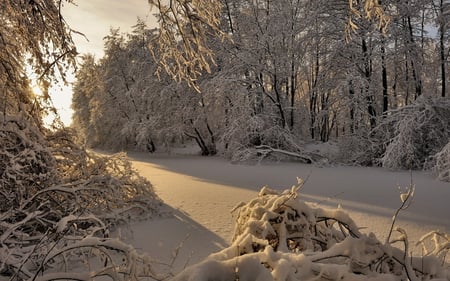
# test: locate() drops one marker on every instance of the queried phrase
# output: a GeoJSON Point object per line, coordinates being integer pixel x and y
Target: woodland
{"type": "Point", "coordinates": [279, 75]}
{"type": "Point", "coordinates": [243, 79]}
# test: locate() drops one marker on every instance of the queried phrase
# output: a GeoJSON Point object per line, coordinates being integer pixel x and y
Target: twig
{"type": "Point", "coordinates": [405, 204]}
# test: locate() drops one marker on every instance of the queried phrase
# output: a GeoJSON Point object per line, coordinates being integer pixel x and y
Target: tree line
{"type": "Point", "coordinates": [283, 73]}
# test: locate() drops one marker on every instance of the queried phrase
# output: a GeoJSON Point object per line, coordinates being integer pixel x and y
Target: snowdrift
{"type": "Point", "coordinates": [280, 237]}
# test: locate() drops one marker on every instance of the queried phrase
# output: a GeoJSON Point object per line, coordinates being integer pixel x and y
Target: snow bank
{"type": "Point", "coordinates": [278, 236]}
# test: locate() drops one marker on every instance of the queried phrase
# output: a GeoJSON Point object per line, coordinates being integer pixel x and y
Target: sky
{"type": "Point", "coordinates": [95, 18]}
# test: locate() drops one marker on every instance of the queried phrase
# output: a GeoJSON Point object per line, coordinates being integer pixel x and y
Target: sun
{"type": "Point", "coordinates": [36, 89]}
{"type": "Point", "coordinates": [60, 96]}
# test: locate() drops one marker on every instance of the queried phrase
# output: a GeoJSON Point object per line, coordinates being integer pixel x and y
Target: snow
{"type": "Point", "coordinates": [202, 191]}
{"type": "Point", "coordinates": [294, 222]}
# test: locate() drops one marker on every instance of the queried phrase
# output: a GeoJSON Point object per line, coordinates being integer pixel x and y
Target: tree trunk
{"type": "Point", "coordinates": [151, 146]}
{"type": "Point", "coordinates": [368, 75]}
{"type": "Point", "coordinates": [442, 48]}
{"type": "Point", "coordinates": [415, 75]}
{"type": "Point", "coordinates": [384, 77]}
{"type": "Point", "coordinates": [351, 92]}
{"type": "Point", "coordinates": [279, 103]}
{"type": "Point", "coordinates": [325, 117]}
{"type": "Point", "coordinates": [313, 92]}
{"type": "Point", "coordinates": [443, 72]}
{"type": "Point", "coordinates": [293, 90]}
{"type": "Point", "coordinates": [230, 19]}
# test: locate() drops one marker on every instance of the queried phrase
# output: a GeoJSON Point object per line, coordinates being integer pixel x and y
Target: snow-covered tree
{"type": "Point", "coordinates": [86, 88]}
{"type": "Point", "coordinates": [58, 202]}
{"type": "Point", "coordinates": [31, 35]}
{"type": "Point", "coordinates": [415, 133]}
{"type": "Point", "coordinates": [442, 9]}
{"type": "Point", "coordinates": [193, 21]}
{"type": "Point", "coordinates": [441, 163]}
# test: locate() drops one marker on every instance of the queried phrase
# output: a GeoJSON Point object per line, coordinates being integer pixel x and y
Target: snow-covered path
{"type": "Point", "coordinates": [201, 192]}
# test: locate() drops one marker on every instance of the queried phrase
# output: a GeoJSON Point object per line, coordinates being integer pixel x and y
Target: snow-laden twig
{"type": "Point", "coordinates": [59, 203]}
{"type": "Point", "coordinates": [420, 130]}
{"type": "Point", "coordinates": [280, 237]}
{"type": "Point", "coordinates": [406, 198]}
{"type": "Point", "coordinates": [440, 163]}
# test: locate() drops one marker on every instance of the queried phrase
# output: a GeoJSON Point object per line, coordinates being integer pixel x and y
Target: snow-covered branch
{"type": "Point", "coordinates": [278, 236]}
{"type": "Point", "coordinates": [60, 204]}
{"type": "Point", "coordinates": [306, 157]}
{"type": "Point", "coordinates": [419, 131]}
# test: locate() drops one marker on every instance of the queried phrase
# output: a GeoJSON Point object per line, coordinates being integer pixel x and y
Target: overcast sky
{"type": "Point", "coordinates": [95, 18]}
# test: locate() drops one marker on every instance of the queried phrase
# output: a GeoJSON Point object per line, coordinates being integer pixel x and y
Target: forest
{"type": "Point", "coordinates": [281, 75]}
{"type": "Point", "coordinates": [246, 80]}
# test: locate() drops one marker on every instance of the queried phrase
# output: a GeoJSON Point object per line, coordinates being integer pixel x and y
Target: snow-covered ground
{"type": "Point", "coordinates": [201, 191]}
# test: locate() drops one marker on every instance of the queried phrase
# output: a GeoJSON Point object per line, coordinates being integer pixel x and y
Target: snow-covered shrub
{"type": "Point", "coordinates": [280, 237]}
{"type": "Point", "coordinates": [440, 163]}
{"type": "Point", "coordinates": [59, 203]}
{"type": "Point", "coordinates": [26, 163]}
{"type": "Point", "coordinates": [359, 150]}
{"type": "Point", "coordinates": [405, 138]}
{"type": "Point", "coordinates": [253, 141]}
{"type": "Point", "coordinates": [416, 132]}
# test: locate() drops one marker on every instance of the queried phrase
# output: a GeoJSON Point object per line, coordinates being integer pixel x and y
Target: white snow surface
{"type": "Point", "coordinates": [202, 191]}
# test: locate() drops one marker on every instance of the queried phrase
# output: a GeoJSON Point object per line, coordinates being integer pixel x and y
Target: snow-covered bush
{"type": "Point", "coordinates": [59, 204]}
{"type": "Point", "coordinates": [26, 163]}
{"type": "Point", "coordinates": [359, 149]}
{"type": "Point", "coordinates": [254, 140]}
{"type": "Point", "coordinates": [280, 237]}
{"type": "Point", "coordinates": [440, 163]}
{"type": "Point", "coordinates": [416, 132]}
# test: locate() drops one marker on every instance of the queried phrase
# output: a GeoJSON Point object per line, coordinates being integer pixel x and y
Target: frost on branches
{"type": "Point", "coordinates": [59, 204]}
{"type": "Point", "coordinates": [280, 237]}
{"type": "Point", "coordinates": [416, 134]}
{"type": "Point", "coordinates": [441, 163]}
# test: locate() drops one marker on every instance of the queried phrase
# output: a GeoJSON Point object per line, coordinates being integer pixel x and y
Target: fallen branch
{"type": "Point", "coordinates": [306, 157]}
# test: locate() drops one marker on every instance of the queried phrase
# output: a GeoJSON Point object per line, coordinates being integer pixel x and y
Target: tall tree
{"type": "Point", "coordinates": [85, 88]}
{"type": "Point", "coordinates": [192, 21]}
{"type": "Point", "coordinates": [442, 9]}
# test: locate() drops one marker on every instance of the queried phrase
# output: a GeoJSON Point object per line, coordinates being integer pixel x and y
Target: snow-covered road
{"type": "Point", "coordinates": [201, 191]}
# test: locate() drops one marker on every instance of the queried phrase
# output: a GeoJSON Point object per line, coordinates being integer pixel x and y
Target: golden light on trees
{"type": "Point", "coordinates": [370, 10]}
